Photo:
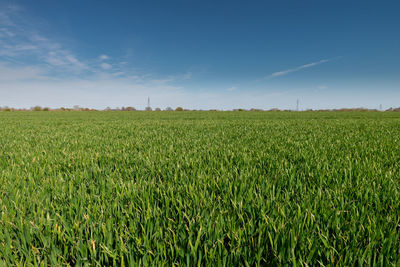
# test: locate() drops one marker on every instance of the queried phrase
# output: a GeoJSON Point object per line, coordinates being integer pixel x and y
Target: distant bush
{"type": "Point", "coordinates": [179, 109]}
{"type": "Point", "coordinates": [149, 109]}
{"type": "Point", "coordinates": [46, 109]}
{"type": "Point", "coordinates": [128, 109]}
{"type": "Point", "coordinates": [393, 109]}
{"type": "Point", "coordinates": [355, 109]}
{"type": "Point", "coordinates": [168, 109]}
{"type": "Point", "coordinates": [158, 109]}
{"type": "Point", "coordinates": [36, 108]}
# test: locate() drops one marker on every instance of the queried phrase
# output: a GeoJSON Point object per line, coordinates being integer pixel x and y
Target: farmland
{"type": "Point", "coordinates": [200, 188]}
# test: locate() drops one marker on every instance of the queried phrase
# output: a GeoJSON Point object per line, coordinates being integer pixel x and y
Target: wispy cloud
{"type": "Point", "coordinates": [105, 66]}
{"type": "Point", "coordinates": [103, 57]}
{"type": "Point", "coordinates": [20, 41]}
{"type": "Point", "coordinates": [23, 44]}
{"type": "Point", "coordinates": [20, 73]}
{"type": "Point", "coordinates": [305, 66]}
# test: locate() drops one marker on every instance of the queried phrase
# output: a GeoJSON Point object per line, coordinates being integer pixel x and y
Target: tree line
{"type": "Point", "coordinates": [78, 108]}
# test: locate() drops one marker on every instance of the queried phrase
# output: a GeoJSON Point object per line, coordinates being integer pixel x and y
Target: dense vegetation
{"type": "Point", "coordinates": [207, 188]}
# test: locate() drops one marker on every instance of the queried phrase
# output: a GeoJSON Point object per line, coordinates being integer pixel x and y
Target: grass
{"type": "Point", "coordinates": [199, 188]}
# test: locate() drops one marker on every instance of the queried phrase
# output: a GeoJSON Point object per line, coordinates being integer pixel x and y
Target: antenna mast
{"type": "Point", "coordinates": [297, 106]}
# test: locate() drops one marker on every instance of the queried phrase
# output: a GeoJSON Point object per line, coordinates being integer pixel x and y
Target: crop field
{"type": "Point", "coordinates": [199, 188]}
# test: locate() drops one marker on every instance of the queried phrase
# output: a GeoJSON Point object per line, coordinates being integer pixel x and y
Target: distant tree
{"type": "Point", "coordinates": [168, 109]}
{"type": "Point", "coordinates": [130, 109]}
{"type": "Point", "coordinates": [36, 108]}
{"type": "Point", "coordinates": [179, 109]}
{"type": "Point", "coordinates": [107, 109]}
{"type": "Point", "coordinates": [46, 109]}
{"type": "Point", "coordinates": [149, 109]}
{"type": "Point", "coordinates": [158, 109]}
{"type": "Point", "coordinates": [394, 109]}
{"type": "Point", "coordinates": [77, 107]}
{"type": "Point", "coordinates": [274, 109]}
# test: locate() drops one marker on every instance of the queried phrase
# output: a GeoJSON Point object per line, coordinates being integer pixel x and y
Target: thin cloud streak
{"type": "Point", "coordinates": [305, 66]}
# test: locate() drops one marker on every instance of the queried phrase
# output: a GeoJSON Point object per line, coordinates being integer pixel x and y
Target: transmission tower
{"type": "Point", "coordinates": [297, 105]}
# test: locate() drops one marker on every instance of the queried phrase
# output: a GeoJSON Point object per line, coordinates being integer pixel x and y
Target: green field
{"type": "Point", "coordinates": [199, 188]}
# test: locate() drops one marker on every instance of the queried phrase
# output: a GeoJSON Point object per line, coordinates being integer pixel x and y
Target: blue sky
{"type": "Point", "coordinates": [200, 54]}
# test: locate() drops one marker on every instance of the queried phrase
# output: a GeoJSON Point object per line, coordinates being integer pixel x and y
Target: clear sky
{"type": "Point", "coordinates": [200, 54]}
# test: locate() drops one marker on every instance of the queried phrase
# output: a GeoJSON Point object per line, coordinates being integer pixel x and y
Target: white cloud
{"type": "Point", "coordinates": [103, 57]}
{"type": "Point", "coordinates": [64, 60]}
{"type": "Point", "coordinates": [284, 72]}
{"type": "Point", "coordinates": [13, 74]}
{"type": "Point", "coordinates": [230, 89]}
{"type": "Point", "coordinates": [187, 76]}
{"type": "Point", "coordinates": [6, 32]}
{"type": "Point", "coordinates": [54, 59]}
{"type": "Point", "coordinates": [105, 66]}
{"type": "Point", "coordinates": [118, 73]}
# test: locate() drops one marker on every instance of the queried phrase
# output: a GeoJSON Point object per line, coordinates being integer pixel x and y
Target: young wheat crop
{"type": "Point", "coordinates": [199, 188]}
